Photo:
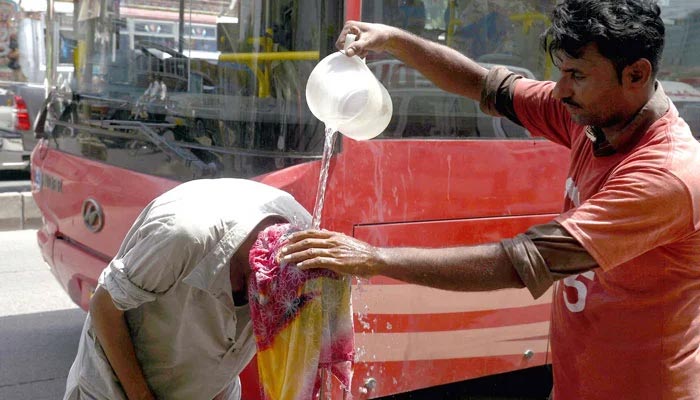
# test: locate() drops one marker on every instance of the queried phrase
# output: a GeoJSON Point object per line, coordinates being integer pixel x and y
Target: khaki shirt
{"type": "Point", "coordinates": [171, 276]}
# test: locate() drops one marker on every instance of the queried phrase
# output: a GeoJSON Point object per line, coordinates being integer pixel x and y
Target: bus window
{"type": "Point", "coordinates": [506, 32]}
{"type": "Point", "coordinates": [489, 31]}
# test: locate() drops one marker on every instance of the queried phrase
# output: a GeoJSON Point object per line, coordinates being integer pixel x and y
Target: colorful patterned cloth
{"type": "Point", "coordinates": [302, 322]}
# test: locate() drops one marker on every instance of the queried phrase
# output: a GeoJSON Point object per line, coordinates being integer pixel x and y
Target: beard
{"type": "Point", "coordinates": [581, 117]}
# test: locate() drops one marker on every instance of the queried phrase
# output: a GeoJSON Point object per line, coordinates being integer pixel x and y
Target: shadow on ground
{"type": "Point", "coordinates": [528, 384]}
{"type": "Point", "coordinates": [14, 175]}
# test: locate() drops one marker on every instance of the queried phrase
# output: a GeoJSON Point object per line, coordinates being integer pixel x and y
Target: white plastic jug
{"type": "Point", "coordinates": [344, 94]}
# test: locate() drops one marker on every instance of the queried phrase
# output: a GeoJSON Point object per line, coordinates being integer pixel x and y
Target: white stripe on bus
{"type": "Point", "coordinates": [486, 342]}
{"type": "Point", "coordinates": [412, 299]}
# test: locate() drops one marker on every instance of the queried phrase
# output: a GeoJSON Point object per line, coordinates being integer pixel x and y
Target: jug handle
{"type": "Point", "coordinates": [349, 38]}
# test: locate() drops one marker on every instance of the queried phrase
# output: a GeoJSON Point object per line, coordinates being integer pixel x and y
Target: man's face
{"type": "Point", "coordinates": [589, 88]}
{"type": "Point", "coordinates": [240, 265]}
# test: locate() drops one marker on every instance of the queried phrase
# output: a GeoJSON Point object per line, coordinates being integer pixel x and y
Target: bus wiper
{"type": "Point", "coordinates": [198, 167]}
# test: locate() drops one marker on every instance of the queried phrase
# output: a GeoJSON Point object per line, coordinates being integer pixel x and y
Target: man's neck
{"type": "Point", "coordinates": [240, 297]}
{"type": "Point", "coordinates": [239, 286]}
{"type": "Point", "coordinates": [238, 280]}
{"type": "Point", "coordinates": [624, 135]}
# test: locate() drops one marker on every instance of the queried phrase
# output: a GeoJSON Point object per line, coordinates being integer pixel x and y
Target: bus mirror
{"type": "Point", "coordinates": [40, 121]}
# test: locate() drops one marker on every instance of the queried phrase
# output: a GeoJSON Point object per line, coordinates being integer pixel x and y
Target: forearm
{"type": "Point", "coordinates": [446, 67]}
{"type": "Point", "coordinates": [113, 335]}
{"type": "Point", "coordinates": [471, 268]}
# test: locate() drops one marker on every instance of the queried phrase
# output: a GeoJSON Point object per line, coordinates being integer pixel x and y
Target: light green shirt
{"type": "Point", "coordinates": [171, 276]}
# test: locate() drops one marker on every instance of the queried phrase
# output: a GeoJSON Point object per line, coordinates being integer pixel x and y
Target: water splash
{"type": "Point", "coordinates": [331, 133]}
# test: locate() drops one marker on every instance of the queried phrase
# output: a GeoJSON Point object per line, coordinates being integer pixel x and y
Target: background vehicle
{"type": "Point", "coordinates": [148, 108]}
{"type": "Point", "coordinates": [22, 90]}
{"type": "Point", "coordinates": [14, 119]}
{"type": "Point", "coordinates": [686, 98]}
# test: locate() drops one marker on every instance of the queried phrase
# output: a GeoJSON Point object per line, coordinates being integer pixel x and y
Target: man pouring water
{"type": "Point", "coordinates": [624, 256]}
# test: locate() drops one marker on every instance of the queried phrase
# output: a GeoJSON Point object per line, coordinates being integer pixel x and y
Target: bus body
{"type": "Point", "coordinates": [159, 95]}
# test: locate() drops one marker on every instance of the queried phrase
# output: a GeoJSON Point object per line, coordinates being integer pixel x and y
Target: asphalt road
{"type": "Point", "coordinates": [39, 325]}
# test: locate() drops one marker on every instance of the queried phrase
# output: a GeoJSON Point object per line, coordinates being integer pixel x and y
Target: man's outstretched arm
{"type": "Point", "coordinates": [534, 259]}
{"type": "Point", "coordinates": [471, 268]}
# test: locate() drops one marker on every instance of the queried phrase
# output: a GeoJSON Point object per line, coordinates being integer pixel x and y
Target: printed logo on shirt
{"type": "Point", "coordinates": [572, 192]}
{"type": "Point", "coordinates": [575, 291]}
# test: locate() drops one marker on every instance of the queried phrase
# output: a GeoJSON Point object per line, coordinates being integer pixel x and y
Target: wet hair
{"type": "Point", "coordinates": [624, 30]}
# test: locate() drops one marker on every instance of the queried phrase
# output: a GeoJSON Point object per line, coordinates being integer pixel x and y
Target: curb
{"type": "Point", "coordinates": [18, 211]}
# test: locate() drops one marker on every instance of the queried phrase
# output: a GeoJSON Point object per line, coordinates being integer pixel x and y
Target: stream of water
{"type": "Point", "coordinates": [331, 134]}
{"type": "Point", "coordinates": [329, 140]}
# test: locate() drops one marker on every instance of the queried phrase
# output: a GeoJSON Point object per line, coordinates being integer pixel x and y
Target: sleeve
{"type": "Point", "coordinates": [497, 94]}
{"type": "Point", "coordinates": [546, 253]}
{"type": "Point", "coordinates": [630, 216]}
{"type": "Point", "coordinates": [149, 263]}
{"type": "Point", "coordinates": [526, 102]}
{"type": "Point", "coordinates": [540, 113]}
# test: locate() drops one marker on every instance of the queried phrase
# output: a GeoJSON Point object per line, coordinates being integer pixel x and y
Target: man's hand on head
{"type": "Point", "coordinates": [331, 250]}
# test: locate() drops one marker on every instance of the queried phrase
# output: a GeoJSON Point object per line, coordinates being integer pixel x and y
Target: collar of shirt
{"type": "Point", "coordinates": [630, 134]}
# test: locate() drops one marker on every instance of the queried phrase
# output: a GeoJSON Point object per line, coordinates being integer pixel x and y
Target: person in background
{"type": "Point", "coordinates": [624, 255]}
{"type": "Point", "coordinates": [170, 317]}
{"type": "Point", "coordinates": [13, 57]}
{"type": "Point", "coordinates": [482, 30]}
{"type": "Point", "coordinates": [412, 16]}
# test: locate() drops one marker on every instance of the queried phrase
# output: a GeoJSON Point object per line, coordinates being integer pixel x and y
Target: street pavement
{"type": "Point", "coordinates": [15, 186]}
{"type": "Point", "coordinates": [39, 324]}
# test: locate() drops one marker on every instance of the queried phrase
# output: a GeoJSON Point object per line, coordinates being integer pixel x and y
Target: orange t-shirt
{"type": "Point", "coordinates": [631, 328]}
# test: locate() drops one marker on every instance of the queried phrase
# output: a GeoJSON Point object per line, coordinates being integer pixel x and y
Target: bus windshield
{"type": "Point", "coordinates": [192, 89]}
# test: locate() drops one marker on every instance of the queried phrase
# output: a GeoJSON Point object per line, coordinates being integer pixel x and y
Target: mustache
{"type": "Point", "coordinates": [567, 100]}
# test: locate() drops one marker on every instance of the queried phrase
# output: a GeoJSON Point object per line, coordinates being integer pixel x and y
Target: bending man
{"type": "Point", "coordinates": [170, 316]}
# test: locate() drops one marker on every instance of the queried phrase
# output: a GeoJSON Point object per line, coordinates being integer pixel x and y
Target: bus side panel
{"type": "Point", "coordinates": [62, 183]}
{"type": "Point", "coordinates": [437, 193]}
{"type": "Point", "coordinates": [388, 181]}
{"type": "Point", "coordinates": [411, 337]}
{"type": "Point", "coordinates": [120, 193]}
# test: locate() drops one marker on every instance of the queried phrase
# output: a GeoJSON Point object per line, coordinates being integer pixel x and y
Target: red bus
{"type": "Point", "coordinates": [161, 94]}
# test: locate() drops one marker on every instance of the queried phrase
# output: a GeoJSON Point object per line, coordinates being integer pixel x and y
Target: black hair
{"type": "Point", "coordinates": [624, 30]}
